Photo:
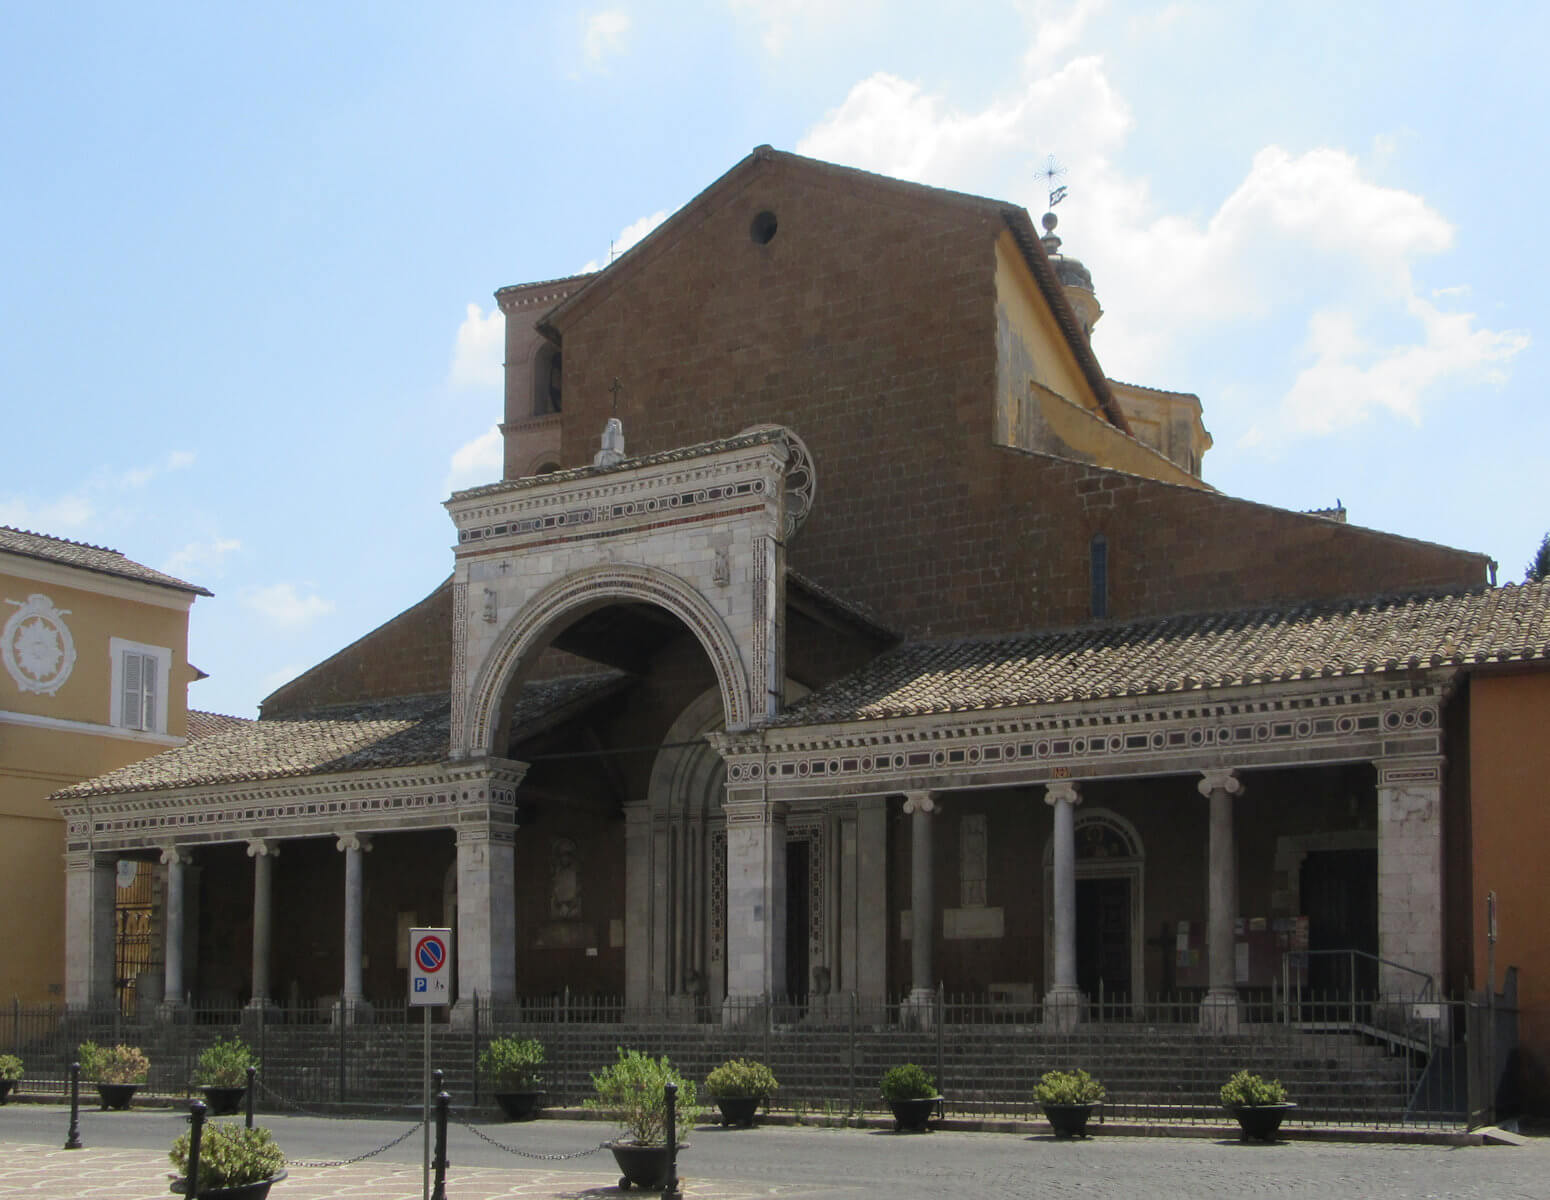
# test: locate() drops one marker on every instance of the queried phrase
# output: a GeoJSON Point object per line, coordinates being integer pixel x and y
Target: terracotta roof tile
{"type": "Point", "coordinates": [408, 731]}
{"type": "Point", "coordinates": [1186, 653]}
{"type": "Point", "coordinates": [87, 557]}
{"type": "Point", "coordinates": [203, 724]}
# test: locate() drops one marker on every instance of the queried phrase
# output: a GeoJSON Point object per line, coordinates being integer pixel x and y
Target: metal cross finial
{"type": "Point", "coordinates": [616, 387]}
{"type": "Point", "coordinates": [1050, 172]}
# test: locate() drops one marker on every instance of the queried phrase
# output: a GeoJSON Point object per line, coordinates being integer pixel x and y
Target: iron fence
{"type": "Point", "coordinates": [1375, 1062]}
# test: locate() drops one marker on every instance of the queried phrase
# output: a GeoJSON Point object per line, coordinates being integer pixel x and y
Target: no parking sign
{"type": "Point", "coordinates": [430, 967]}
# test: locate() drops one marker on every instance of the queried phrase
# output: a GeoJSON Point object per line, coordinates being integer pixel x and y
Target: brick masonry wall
{"type": "Point", "coordinates": [867, 325]}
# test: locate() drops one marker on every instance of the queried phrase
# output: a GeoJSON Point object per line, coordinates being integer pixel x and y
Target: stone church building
{"type": "Point", "coordinates": [839, 627]}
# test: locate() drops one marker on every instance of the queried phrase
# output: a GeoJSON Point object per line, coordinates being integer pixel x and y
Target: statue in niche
{"type": "Point", "coordinates": [564, 880]}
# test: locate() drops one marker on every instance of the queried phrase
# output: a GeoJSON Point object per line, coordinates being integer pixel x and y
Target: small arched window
{"type": "Point", "coordinates": [1098, 575]}
{"type": "Point", "coordinates": [546, 381]}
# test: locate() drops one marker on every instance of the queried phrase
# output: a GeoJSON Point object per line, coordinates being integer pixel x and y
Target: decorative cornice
{"type": "Point", "coordinates": [1260, 726]}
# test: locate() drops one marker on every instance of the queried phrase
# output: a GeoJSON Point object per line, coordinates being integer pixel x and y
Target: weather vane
{"type": "Point", "coordinates": [1050, 172]}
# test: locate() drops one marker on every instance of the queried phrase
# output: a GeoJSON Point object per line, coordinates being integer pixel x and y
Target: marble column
{"type": "Point", "coordinates": [263, 855]}
{"type": "Point", "coordinates": [756, 906]}
{"type": "Point", "coordinates": [486, 944]}
{"type": "Point", "coordinates": [91, 891]}
{"type": "Point", "coordinates": [176, 861]}
{"type": "Point", "coordinates": [918, 1008]}
{"type": "Point", "coordinates": [1063, 1000]}
{"type": "Point", "coordinates": [1219, 1010]}
{"type": "Point", "coordinates": [1410, 877]}
{"type": "Point", "coordinates": [352, 1002]}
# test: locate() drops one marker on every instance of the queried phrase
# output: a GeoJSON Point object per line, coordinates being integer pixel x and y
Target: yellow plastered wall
{"type": "Point", "coordinates": [38, 756]}
{"type": "Point", "coordinates": [1509, 784]}
{"type": "Point", "coordinates": [1044, 402]}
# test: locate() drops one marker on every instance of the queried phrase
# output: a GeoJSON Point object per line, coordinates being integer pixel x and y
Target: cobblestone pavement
{"type": "Point", "coordinates": [125, 1159]}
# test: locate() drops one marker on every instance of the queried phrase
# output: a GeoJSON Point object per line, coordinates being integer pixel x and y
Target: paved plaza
{"type": "Point", "coordinates": [124, 1158]}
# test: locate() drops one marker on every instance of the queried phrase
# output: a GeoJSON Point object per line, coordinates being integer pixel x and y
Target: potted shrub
{"type": "Point", "coordinates": [1068, 1099]}
{"type": "Point", "coordinates": [631, 1092]}
{"type": "Point", "coordinates": [118, 1071]}
{"type": "Point", "coordinates": [740, 1086]}
{"type": "Point", "coordinates": [221, 1073]}
{"type": "Point", "coordinates": [234, 1163]}
{"type": "Point", "coordinates": [509, 1067]}
{"type": "Point", "coordinates": [912, 1095]}
{"type": "Point", "coordinates": [1258, 1104]}
{"type": "Point", "coordinates": [10, 1074]}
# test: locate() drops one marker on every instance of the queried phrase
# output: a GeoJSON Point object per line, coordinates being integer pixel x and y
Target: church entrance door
{"type": "Point", "coordinates": [1103, 938]}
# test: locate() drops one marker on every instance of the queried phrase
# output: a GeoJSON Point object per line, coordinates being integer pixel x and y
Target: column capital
{"type": "Point", "coordinates": [351, 839]}
{"type": "Point", "coordinates": [920, 802]}
{"type": "Point", "coordinates": [1062, 791]}
{"type": "Point", "coordinates": [260, 847]}
{"type": "Point", "coordinates": [176, 854]}
{"type": "Point", "coordinates": [1410, 770]}
{"type": "Point", "coordinates": [1220, 780]}
{"type": "Point", "coordinates": [754, 812]}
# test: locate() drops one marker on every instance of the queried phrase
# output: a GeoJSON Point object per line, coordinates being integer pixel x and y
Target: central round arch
{"type": "Point", "coordinates": [592, 588]}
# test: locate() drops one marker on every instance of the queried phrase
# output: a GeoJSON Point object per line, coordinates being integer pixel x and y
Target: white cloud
{"type": "Point", "coordinates": [177, 460]}
{"type": "Point", "coordinates": [1306, 238]}
{"type": "Point", "coordinates": [59, 517]}
{"type": "Point", "coordinates": [284, 605]}
{"type": "Point", "coordinates": [479, 461]}
{"type": "Point", "coordinates": [200, 558]}
{"type": "Point", "coordinates": [782, 23]}
{"type": "Point", "coordinates": [604, 35]}
{"type": "Point", "coordinates": [476, 357]}
{"type": "Point", "coordinates": [628, 236]}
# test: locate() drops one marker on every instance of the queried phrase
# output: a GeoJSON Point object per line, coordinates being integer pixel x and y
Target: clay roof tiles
{"type": "Point", "coordinates": [1191, 653]}
{"type": "Point", "coordinates": [88, 558]}
{"type": "Point", "coordinates": [403, 732]}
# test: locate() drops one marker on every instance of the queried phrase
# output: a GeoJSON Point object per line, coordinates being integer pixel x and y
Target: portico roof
{"type": "Point", "coordinates": [407, 731]}
{"type": "Point", "coordinates": [1190, 653]}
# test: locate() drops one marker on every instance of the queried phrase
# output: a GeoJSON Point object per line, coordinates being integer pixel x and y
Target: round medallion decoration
{"type": "Point", "coordinates": [36, 645]}
{"type": "Point", "coordinates": [801, 478]}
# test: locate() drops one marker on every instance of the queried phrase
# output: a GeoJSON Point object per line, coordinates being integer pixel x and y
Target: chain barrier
{"type": "Point", "coordinates": [287, 1103]}
{"type": "Point", "coordinates": [345, 1162]}
{"type": "Point", "coordinates": [482, 1136]}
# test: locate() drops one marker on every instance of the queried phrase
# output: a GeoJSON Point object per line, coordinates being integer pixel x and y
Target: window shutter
{"type": "Point", "coordinates": [148, 682]}
{"type": "Point", "coordinates": [132, 708]}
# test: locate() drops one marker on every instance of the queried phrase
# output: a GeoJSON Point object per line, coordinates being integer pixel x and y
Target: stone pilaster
{"type": "Point", "coordinates": [756, 903]}
{"type": "Point", "coordinates": [1219, 1010]}
{"type": "Point", "coordinates": [1410, 878]}
{"type": "Point", "coordinates": [486, 946]}
{"type": "Point", "coordinates": [91, 891]}
{"type": "Point", "coordinates": [638, 940]}
{"type": "Point", "coordinates": [1063, 1000]}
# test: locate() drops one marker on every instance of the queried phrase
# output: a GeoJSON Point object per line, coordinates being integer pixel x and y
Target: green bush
{"type": "Point", "coordinates": [1248, 1090]}
{"type": "Point", "coordinates": [631, 1092]}
{"type": "Point", "coordinates": [742, 1077]}
{"type": "Point", "coordinates": [230, 1156]}
{"type": "Point", "coordinates": [1068, 1087]}
{"type": "Point", "coordinates": [510, 1064]}
{"type": "Point", "coordinates": [113, 1064]}
{"type": "Point", "coordinates": [224, 1064]}
{"type": "Point", "coordinates": [907, 1082]}
{"type": "Point", "coordinates": [10, 1067]}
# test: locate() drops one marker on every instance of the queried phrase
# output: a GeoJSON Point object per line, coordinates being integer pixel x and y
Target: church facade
{"type": "Point", "coordinates": [840, 627]}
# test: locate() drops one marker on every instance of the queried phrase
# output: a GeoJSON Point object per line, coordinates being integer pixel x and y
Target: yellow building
{"type": "Point", "coordinates": [94, 650]}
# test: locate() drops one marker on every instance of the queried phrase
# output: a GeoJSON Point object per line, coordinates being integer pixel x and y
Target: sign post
{"type": "Point", "coordinates": [430, 986]}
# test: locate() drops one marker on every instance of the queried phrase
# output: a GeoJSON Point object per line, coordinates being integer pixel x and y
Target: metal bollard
{"type": "Point", "coordinates": [670, 1183]}
{"type": "Point", "coordinates": [196, 1130]}
{"type": "Point", "coordinates": [439, 1162]}
{"type": "Point", "coordinates": [252, 1087]}
{"type": "Point", "coordinates": [73, 1138]}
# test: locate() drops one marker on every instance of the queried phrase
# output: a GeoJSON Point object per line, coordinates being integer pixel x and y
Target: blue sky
{"type": "Point", "coordinates": [246, 328]}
